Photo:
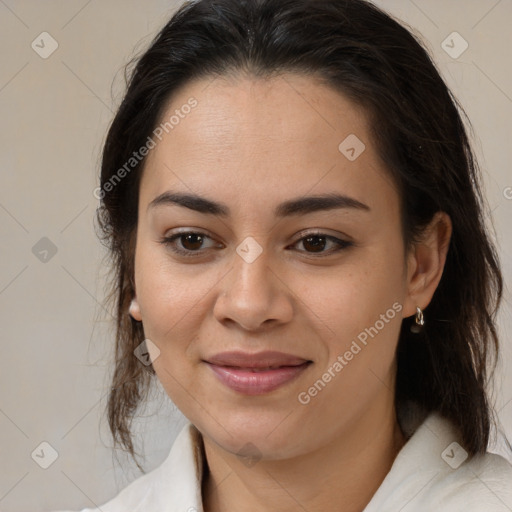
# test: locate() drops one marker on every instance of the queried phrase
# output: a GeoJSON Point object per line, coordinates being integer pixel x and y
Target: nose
{"type": "Point", "coordinates": [254, 295]}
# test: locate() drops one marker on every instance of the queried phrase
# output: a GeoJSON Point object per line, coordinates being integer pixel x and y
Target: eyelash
{"type": "Point", "coordinates": [169, 242]}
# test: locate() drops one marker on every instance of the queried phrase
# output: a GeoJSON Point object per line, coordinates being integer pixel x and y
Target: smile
{"type": "Point", "coordinates": [257, 381]}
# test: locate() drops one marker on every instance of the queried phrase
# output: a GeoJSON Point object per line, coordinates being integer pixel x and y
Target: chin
{"type": "Point", "coordinates": [255, 436]}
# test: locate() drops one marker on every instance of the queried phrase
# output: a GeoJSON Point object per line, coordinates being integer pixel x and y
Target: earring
{"type": "Point", "coordinates": [133, 307]}
{"type": "Point", "coordinates": [419, 321]}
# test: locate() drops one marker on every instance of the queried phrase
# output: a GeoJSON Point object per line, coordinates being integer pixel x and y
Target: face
{"type": "Point", "coordinates": [266, 269]}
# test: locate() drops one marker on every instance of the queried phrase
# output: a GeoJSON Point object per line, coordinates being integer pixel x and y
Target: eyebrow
{"type": "Point", "coordinates": [297, 206]}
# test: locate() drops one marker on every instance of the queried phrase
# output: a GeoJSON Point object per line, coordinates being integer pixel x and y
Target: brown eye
{"type": "Point", "coordinates": [190, 243]}
{"type": "Point", "coordinates": [316, 243]}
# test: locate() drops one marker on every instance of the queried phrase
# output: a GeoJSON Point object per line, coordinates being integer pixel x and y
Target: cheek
{"type": "Point", "coordinates": [175, 300]}
{"type": "Point", "coordinates": [169, 294]}
{"type": "Point", "coordinates": [362, 307]}
{"type": "Point", "coordinates": [170, 303]}
{"type": "Point", "coordinates": [351, 297]}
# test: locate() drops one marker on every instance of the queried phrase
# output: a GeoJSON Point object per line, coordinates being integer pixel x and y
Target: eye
{"type": "Point", "coordinates": [190, 243]}
{"type": "Point", "coordinates": [315, 243]}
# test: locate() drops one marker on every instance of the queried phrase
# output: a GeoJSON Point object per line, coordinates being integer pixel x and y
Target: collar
{"type": "Point", "coordinates": [174, 486]}
{"type": "Point", "coordinates": [183, 470]}
{"type": "Point", "coordinates": [429, 465]}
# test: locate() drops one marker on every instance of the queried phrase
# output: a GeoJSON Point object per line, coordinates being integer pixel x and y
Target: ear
{"type": "Point", "coordinates": [134, 310]}
{"type": "Point", "coordinates": [425, 263]}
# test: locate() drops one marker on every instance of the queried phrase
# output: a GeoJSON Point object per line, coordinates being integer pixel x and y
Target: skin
{"type": "Point", "coordinates": [252, 144]}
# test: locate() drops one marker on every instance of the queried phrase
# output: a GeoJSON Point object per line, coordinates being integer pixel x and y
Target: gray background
{"type": "Point", "coordinates": [56, 338]}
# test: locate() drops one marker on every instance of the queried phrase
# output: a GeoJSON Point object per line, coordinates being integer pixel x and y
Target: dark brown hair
{"type": "Point", "coordinates": [365, 54]}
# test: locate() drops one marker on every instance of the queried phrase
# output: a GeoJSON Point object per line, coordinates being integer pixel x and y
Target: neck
{"type": "Point", "coordinates": [347, 471]}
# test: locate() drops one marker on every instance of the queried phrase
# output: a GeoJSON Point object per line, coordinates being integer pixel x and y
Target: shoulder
{"type": "Point", "coordinates": [172, 486]}
{"type": "Point", "coordinates": [482, 483]}
{"type": "Point", "coordinates": [434, 472]}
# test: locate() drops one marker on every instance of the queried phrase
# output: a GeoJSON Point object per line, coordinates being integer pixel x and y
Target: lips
{"type": "Point", "coordinates": [258, 361]}
{"type": "Point", "coordinates": [256, 374]}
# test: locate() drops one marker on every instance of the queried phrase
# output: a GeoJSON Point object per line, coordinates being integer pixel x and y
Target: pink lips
{"type": "Point", "coordinates": [256, 374]}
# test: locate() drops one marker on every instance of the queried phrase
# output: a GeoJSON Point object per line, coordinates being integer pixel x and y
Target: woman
{"type": "Point", "coordinates": [297, 231]}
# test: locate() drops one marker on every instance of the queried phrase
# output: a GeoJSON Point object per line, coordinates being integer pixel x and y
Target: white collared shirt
{"type": "Point", "coordinates": [428, 474]}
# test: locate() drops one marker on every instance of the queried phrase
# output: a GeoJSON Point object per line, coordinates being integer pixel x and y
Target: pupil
{"type": "Point", "coordinates": [317, 247]}
{"type": "Point", "coordinates": [191, 237]}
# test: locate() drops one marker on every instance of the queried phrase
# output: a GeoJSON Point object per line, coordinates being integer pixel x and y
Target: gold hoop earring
{"type": "Point", "coordinates": [419, 321]}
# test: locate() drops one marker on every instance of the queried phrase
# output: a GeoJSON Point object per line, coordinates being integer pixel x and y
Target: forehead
{"type": "Point", "coordinates": [249, 137]}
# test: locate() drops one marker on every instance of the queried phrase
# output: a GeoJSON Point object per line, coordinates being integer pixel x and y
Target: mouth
{"type": "Point", "coordinates": [257, 370]}
{"type": "Point", "coordinates": [256, 374]}
{"type": "Point", "coordinates": [260, 360]}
